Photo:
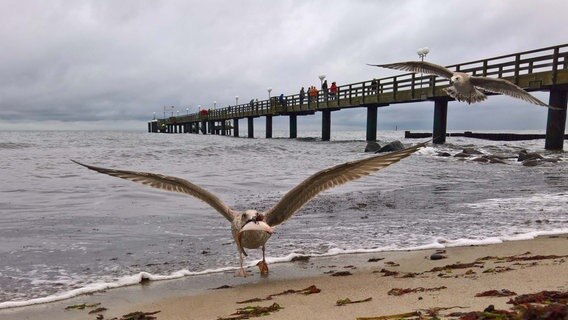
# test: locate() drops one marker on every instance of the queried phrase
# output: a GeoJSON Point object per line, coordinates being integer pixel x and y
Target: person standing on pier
{"type": "Point", "coordinates": [282, 101]}
{"type": "Point", "coordinates": [324, 89]}
{"type": "Point", "coordinates": [313, 94]}
{"type": "Point", "coordinates": [374, 86]}
{"type": "Point", "coordinates": [302, 96]}
{"type": "Point", "coordinates": [333, 91]}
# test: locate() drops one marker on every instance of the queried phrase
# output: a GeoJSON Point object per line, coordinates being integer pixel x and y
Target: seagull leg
{"type": "Point", "coordinates": [241, 272]}
{"type": "Point", "coordinates": [262, 265]}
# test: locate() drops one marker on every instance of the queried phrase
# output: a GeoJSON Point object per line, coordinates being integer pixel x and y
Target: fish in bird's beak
{"type": "Point", "coordinates": [257, 226]}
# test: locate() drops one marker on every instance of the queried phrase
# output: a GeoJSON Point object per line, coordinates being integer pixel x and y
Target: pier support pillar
{"type": "Point", "coordinates": [223, 128]}
{"type": "Point", "coordinates": [149, 126]}
{"type": "Point", "coordinates": [556, 123]}
{"type": "Point", "coordinates": [326, 125]}
{"type": "Point", "coordinates": [204, 127]}
{"type": "Point", "coordinates": [372, 122]}
{"type": "Point", "coordinates": [210, 126]}
{"type": "Point", "coordinates": [236, 127]}
{"type": "Point", "coordinates": [293, 126]}
{"type": "Point", "coordinates": [440, 121]}
{"type": "Point", "coordinates": [250, 121]}
{"type": "Point", "coordinates": [268, 127]}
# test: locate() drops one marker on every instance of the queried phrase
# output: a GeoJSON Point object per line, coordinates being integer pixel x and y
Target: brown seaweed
{"type": "Point", "coordinates": [400, 291]}
{"type": "Point", "coordinates": [252, 312]}
{"type": "Point", "coordinates": [393, 316]}
{"type": "Point", "coordinates": [82, 306]}
{"type": "Point", "coordinates": [98, 310]}
{"type": "Point", "coordinates": [496, 293]}
{"type": "Point", "coordinates": [306, 291]}
{"type": "Point", "coordinates": [541, 297]}
{"type": "Point", "coordinates": [139, 315]}
{"type": "Point", "coordinates": [457, 266]}
{"type": "Point", "coordinates": [346, 301]}
{"type": "Point", "coordinates": [388, 273]}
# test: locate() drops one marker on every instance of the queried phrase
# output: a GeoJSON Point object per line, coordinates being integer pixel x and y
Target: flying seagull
{"type": "Point", "coordinates": [251, 229]}
{"type": "Point", "coordinates": [465, 87]}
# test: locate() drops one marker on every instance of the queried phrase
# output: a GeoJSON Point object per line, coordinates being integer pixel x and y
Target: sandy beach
{"type": "Point", "coordinates": [389, 283]}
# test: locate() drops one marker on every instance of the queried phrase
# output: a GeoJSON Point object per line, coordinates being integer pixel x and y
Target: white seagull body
{"type": "Point", "coordinates": [251, 229]}
{"type": "Point", "coordinates": [465, 87]}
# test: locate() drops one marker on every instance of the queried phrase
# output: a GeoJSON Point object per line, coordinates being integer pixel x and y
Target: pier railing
{"type": "Point", "coordinates": [532, 70]}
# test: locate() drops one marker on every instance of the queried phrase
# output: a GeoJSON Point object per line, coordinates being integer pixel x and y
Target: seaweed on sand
{"type": "Point", "coordinates": [400, 291]}
{"type": "Point", "coordinates": [306, 291]}
{"type": "Point", "coordinates": [346, 301]}
{"type": "Point", "coordinates": [252, 312]}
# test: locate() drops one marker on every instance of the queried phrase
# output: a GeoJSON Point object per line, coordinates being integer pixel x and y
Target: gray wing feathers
{"type": "Point", "coordinates": [418, 66]}
{"type": "Point", "coordinates": [505, 87]}
{"type": "Point", "coordinates": [326, 179]}
{"type": "Point", "coordinates": [168, 183]}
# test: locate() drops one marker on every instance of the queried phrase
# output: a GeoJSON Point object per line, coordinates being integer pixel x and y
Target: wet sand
{"type": "Point", "coordinates": [454, 284]}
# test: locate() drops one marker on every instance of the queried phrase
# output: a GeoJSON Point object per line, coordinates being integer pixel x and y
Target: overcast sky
{"type": "Point", "coordinates": [111, 64]}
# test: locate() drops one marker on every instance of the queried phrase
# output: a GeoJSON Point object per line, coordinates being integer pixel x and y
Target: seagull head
{"type": "Point", "coordinates": [458, 78]}
{"type": "Point", "coordinates": [252, 220]}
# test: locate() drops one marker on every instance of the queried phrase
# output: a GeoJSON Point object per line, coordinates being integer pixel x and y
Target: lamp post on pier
{"type": "Point", "coordinates": [422, 52]}
{"type": "Point", "coordinates": [269, 91]}
{"type": "Point", "coordinates": [321, 77]}
{"type": "Point", "coordinates": [236, 100]}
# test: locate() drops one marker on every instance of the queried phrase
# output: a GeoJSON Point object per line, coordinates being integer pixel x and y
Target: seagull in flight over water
{"type": "Point", "coordinates": [465, 87]}
{"type": "Point", "coordinates": [250, 228]}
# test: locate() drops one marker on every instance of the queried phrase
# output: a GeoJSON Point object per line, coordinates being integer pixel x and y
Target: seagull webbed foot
{"type": "Point", "coordinates": [263, 267]}
{"type": "Point", "coordinates": [241, 273]}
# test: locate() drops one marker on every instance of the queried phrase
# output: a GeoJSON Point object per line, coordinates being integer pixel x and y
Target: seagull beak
{"type": "Point", "coordinates": [258, 226]}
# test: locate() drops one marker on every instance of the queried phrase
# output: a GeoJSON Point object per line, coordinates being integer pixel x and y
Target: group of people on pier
{"type": "Point", "coordinates": [328, 93]}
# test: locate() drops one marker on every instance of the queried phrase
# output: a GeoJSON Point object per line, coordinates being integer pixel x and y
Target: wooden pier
{"type": "Point", "coordinates": [543, 69]}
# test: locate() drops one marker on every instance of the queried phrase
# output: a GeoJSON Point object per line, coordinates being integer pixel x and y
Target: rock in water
{"type": "Point", "coordinates": [525, 155]}
{"type": "Point", "coordinates": [470, 151]}
{"type": "Point", "coordinates": [393, 146]}
{"type": "Point", "coordinates": [372, 146]}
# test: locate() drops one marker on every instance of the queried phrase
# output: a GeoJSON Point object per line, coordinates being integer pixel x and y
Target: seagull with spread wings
{"type": "Point", "coordinates": [251, 229]}
{"type": "Point", "coordinates": [465, 87]}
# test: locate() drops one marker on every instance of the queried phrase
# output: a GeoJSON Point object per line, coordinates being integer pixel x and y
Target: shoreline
{"type": "Point", "coordinates": [191, 296]}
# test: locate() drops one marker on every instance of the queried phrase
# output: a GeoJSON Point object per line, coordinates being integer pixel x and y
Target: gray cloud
{"type": "Point", "coordinates": [101, 64]}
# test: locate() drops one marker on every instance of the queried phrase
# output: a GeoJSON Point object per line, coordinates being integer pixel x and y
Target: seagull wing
{"type": "Point", "coordinates": [505, 87]}
{"type": "Point", "coordinates": [168, 183]}
{"type": "Point", "coordinates": [418, 66]}
{"type": "Point", "coordinates": [328, 178]}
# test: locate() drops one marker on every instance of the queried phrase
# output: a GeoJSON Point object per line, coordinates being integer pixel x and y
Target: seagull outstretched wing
{"type": "Point", "coordinates": [505, 87]}
{"type": "Point", "coordinates": [329, 178]}
{"type": "Point", "coordinates": [418, 66]}
{"type": "Point", "coordinates": [169, 183]}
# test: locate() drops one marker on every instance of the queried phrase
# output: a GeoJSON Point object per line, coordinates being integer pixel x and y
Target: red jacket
{"type": "Point", "coordinates": [333, 88]}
